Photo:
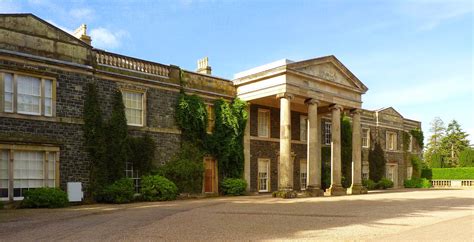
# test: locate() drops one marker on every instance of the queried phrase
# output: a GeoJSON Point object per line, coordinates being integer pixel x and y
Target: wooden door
{"type": "Point", "coordinates": [209, 174]}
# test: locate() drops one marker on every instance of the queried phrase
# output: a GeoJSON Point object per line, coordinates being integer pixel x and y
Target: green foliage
{"type": "Point", "coordinates": [158, 188]}
{"type": "Point", "coordinates": [419, 137]}
{"type": "Point", "coordinates": [284, 194]}
{"type": "Point", "coordinates": [376, 163]}
{"type": "Point", "coordinates": [384, 183]}
{"type": "Point", "coordinates": [121, 191]}
{"type": "Point", "coordinates": [435, 161]}
{"type": "Point", "coordinates": [142, 153]}
{"type": "Point", "coordinates": [427, 173]}
{"type": "Point", "coordinates": [233, 186]}
{"type": "Point", "coordinates": [94, 139]}
{"type": "Point", "coordinates": [406, 141]}
{"type": "Point", "coordinates": [452, 144]}
{"type": "Point", "coordinates": [417, 183]}
{"type": "Point", "coordinates": [416, 164]}
{"type": "Point", "coordinates": [369, 184]}
{"type": "Point", "coordinates": [185, 169]}
{"type": "Point", "coordinates": [45, 198]}
{"type": "Point", "coordinates": [1, 205]}
{"type": "Point", "coordinates": [452, 173]}
{"type": "Point", "coordinates": [191, 117]}
{"type": "Point", "coordinates": [117, 146]}
{"type": "Point", "coordinates": [346, 151]}
{"type": "Point", "coordinates": [466, 158]}
{"type": "Point", "coordinates": [226, 141]}
{"type": "Point", "coordinates": [326, 167]}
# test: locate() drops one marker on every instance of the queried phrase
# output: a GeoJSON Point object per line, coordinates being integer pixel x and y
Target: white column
{"type": "Point", "coordinates": [336, 188]}
{"type": "Point", "coordinates": [247, 149]}
{"type": "Point", "coordinates": [356, 187]}
{"type": "Point", "coordinates": [286, 172]}
{"type": "Point", "coordinates": [313, 150]}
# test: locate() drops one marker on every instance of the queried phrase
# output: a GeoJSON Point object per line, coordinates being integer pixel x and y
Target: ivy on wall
{"type": "Point", "coordinates": [419, 137]}
{"type": "Point", "coordinates": [346, 151]}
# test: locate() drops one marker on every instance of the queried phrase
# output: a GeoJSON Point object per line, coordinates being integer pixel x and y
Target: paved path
{"type": "Point", "coordinates": [442, 215]}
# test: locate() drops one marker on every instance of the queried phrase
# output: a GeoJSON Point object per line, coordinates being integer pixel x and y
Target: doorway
{"type": "Point", "coordinates": [210, 175]}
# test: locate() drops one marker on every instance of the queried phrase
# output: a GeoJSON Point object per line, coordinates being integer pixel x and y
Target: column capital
{"type": "Point", "coordinates": [311, 101]}
{"type": "Point", "coordinates": [356, 111]}
{"type": "Point", "coordinates": [286, 95]}
{"type": "Point", "coordinates": [336, 106]}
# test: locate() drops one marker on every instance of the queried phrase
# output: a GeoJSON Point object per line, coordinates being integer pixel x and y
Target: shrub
{"type": "Point", "coordinates": [142, 153]}
{"type": "Point", "coordinates": [453, 173]}
{"type": "Point", "coordinates": [466, 158]}
{"type": "Point", "coordinates": [384, 183]}
{"type": "Point", "coordinates": [1, 205]}
{"type": "Point", "coordinates": [369, 184]}
{"type": "Point", "coordinates": [233, 186]}
{"type": "Point", "coordinates": [45, 198]}
{"type": "Point", "coordinates": [417, 183]}
{"type": "Point", "coordinates": [376, 162]}
{"type": "Point", "coordinates": [158, 188]}
{"type": "Point", "coordinates": [427, 173]}
{"type": "Point", "coordinates": [121, 191]}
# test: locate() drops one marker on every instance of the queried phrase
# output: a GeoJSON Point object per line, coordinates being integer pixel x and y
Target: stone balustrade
{"type": "Point", "coordinates": [452, 183]}
{"type": "Point", "coordinates": [129, 63]}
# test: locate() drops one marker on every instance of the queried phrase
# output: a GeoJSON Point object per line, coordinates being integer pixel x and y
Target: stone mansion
{"type": "Point", "coordinates": [294, 110]}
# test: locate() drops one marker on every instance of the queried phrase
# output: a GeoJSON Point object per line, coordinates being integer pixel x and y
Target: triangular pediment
{"type": "Point", "coordinates": [329, 69]}
{"type": "Point", "coordinates": [390, 111]}
{"type": "Point", "coordinates": [30, 24]}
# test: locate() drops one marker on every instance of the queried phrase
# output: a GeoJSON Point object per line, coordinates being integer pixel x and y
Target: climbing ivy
{"type": "Point", "coordinates": [419, 137]}
{"type": "Point", "coordinates": [191, 117]}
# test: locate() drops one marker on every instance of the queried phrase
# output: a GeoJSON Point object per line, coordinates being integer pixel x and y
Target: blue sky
{"type": "Point", "coordinates": [416, 56]}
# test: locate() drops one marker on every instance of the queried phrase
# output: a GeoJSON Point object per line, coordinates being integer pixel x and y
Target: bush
{"type": "Point", "coordinates": [453, 173]}
{"type": "Point", "coordinates": [45, 198]}
{"type": "Point", "coordinates": [1, 205]}
{"type": "Point", "coordinates": [158, 188]}
{"type": "Point", "coordinates": [427, 173]}
{"type": "Point", "coordinates": [233, 186]}
{"type": "Point", "coordinates": [384, 183]}
{"type": "Point", "coordinates": [417, 183]}
{"type": "Point", "coordinates": [369, 184]}
{"type": "Point", "coordinates": [121, 191]}
{"type": "Point", "coordinates": [466, 158]}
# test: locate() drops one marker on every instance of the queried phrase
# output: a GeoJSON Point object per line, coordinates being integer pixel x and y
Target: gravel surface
{"type": "Point", "coordinates": [444, 215]}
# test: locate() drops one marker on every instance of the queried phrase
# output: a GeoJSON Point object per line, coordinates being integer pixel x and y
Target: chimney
{"type": "Point", "coordinates": [203, 66]}
{"type": "Point", "coordinates": [81, 33]}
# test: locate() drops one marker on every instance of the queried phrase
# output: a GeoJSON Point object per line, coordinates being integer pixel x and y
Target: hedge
{"type": "Point", "coordinates": [45, 197]}
{"type": "Point", "coordinates": [448, 173]}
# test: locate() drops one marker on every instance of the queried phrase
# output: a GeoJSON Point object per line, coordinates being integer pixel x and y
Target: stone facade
{"type": "Point", "coordinates": [31, 46]}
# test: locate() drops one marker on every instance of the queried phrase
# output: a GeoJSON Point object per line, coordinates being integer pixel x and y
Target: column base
{"type": "Point", "coordinates": [314, 191]}
{"type": "Point", "coordinates": [285, 193]}
{"type": "Point", "coordinates": [356, 189]}
{"type": "Point", "coordinates": [335, 190]}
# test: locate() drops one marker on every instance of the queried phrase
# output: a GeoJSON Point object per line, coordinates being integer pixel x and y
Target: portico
{"type": "Point", "coordinates": [316, 87]}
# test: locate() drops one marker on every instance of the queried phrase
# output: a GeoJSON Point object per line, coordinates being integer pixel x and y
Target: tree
{"type": "Point", "coordinates": [433, 148]}
{"type": "Point", "coordinates": [376, 163]}
{"type": "Point", "coordinates": [117, 146]}
{"type": "Point", "coordinates": [453, 143]}
{"type": "Point", "coordinates": [94, 139]}
{"type": "Point", "coordinates": [466, 158]}
{"type": "Point", "coordinates": [346, 151]}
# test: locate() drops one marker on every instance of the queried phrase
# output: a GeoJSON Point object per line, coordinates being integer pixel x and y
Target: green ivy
{"type": "Point", "coordinates": [191, 117]}
{"type": "Point", "coordinates": [419, 137]}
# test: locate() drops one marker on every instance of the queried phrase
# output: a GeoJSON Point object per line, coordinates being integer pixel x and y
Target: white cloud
{"type": "Point", "coordinates": [107, 39]}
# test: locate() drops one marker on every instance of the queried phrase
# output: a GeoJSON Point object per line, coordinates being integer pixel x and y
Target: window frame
{"type": "Point", "coordinates": [262, 110]}
{"type": "Point", "coordinates": [42, 97]}
{"type": "Point", "coordinates": [327, 138]}
{"type": "Point", "coordinates": [305, 163]}
{"type": "Point", "coordinates": [46, 152]}
{"type": "Point", "coordinates": [268, 161]}
{"type": "Point", "coordinates": [367, 137]}
{"type": "Point", "coordinates": [391, 146]}
{"type": "Point", "coordinates": [143, 110]}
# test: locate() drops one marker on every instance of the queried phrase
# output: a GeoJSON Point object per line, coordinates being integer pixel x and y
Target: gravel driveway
{"type": "Point", "coordinates": [389, 215]}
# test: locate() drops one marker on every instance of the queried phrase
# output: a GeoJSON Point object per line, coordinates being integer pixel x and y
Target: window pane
{"type": "Point", "coordinates": [263, 123]}
{"type": "Point", "coordinates": [28, 94]}
{"type": "Point", "coordinates": [51, 169]}
{"type": "Point", "coordinates": [27, 171]}
{"type": "Point", "coordinates": [133, 107]}
{"type": "Point", "coordinates": [48, 88]}
{"type": "Point", "coordinates": [8, 95]}
{"type": "Point", "coordinates": [3, 174]}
